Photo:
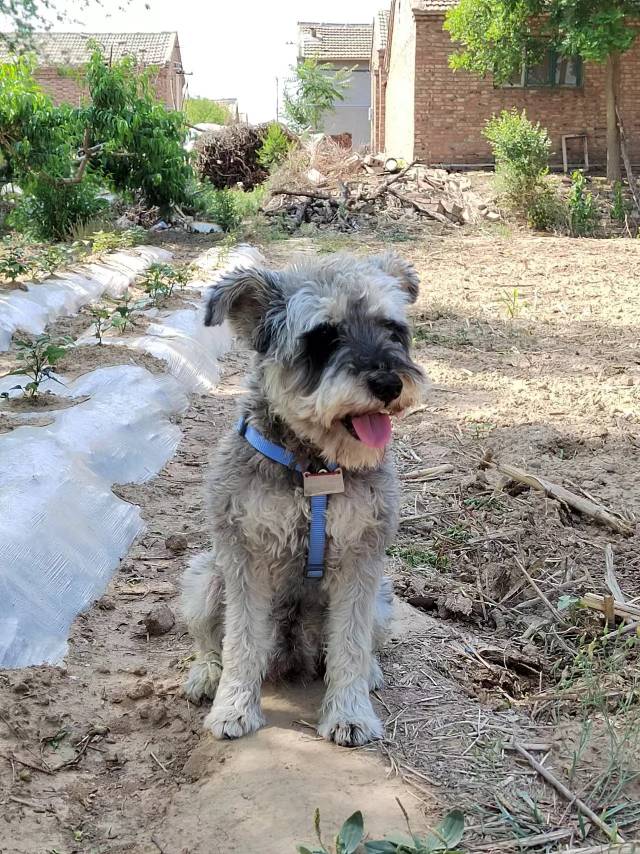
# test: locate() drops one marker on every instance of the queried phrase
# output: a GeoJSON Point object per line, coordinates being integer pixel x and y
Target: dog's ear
{"type": "Point", "coordinates": [401, 270]}
{"type": "Point", "coordinates": [251, 299]}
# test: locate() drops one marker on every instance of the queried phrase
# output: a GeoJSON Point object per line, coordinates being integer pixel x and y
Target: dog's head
{"type": "Point", "coordinates": [333, 347]}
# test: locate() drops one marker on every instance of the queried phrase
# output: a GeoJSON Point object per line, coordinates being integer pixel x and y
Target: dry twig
{"type": "Point", "coordinates": [583, 505]}
{"type": "Point", "coordinates": [567, 794]}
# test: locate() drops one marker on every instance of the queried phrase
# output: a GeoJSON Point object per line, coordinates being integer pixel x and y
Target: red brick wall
{"type": "Point", "coordinates": [378, 84]}
{"type": "Point", "coordinates": [451, 108]}
{"type": "Point", "coordinates": [67, 89]}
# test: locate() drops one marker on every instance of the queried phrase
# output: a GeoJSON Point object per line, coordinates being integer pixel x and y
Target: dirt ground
{"type": "Point", "coordinates": [532, 348]}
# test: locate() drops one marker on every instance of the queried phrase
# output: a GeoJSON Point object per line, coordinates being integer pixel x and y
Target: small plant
{"type": "Point", "coordinates": [38, 359]}
{"type": "Point", "coordinates": [109, 241]}
{"type": "Point", "coordinates": [223, 209]}
{"type": "Point", "coordinates": [582, 210]}
{"type": "Point", "coordinates": [417, 558]}
{"type": "Point", "coordinates": [101, 321]}
{"type": "Point", "coordinates": [159, 282]}
{"type": "Point", "coordinates": [443, 838]}
{"type": "Point", "coordinates": [512, 302]}
{"type": "Point", "coordinates": [275, 147]}
{"type": "Point", "coordinates": [14, 264]}
{"type": "Point", "coordinates": [50, 260]}
{"type": "Point", "coordinates": [124, 314]}
{"type": "Point", "coordinates": [619, 208]}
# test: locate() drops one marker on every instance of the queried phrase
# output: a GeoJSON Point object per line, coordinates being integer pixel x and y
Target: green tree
{"type": "Point", "coordinates": [497, 35]}
{"type": "Point", "coordinates": [61, 155]}
{"type": "Point", "coordinates": [205, 111]}
{"type": "Point", "coordinates": [316, 89]}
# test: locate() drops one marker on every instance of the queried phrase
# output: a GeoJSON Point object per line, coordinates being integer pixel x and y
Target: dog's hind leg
{"type": "Point", "coordinates": [202, 605]}
{"type": "Point", "coordinates": [383, 611]}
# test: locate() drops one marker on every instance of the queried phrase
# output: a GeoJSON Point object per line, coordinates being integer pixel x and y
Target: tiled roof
{"type": "Point", "coordinates": [381, 29]}
{"type": "Point", "coordinates": [74, 48]}
{"type": "Point", "coordinates": [433, 5]}
{"type": "Point", "coordinates": [334, 41]}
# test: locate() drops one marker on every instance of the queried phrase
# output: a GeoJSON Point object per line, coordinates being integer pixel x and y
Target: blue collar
{"type": "Point", "coordinates": [317, 527]}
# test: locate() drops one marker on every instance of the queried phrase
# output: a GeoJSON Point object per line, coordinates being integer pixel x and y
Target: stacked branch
{"type": "Point", "coordinates": [329, 187]}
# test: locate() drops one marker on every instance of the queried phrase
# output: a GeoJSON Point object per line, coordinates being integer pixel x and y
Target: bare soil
{"type": "Point", "coordinates": [532, 347]}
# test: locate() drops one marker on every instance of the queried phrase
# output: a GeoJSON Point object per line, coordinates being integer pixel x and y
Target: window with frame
{"type": "Point", "coordinates": [553, 71]}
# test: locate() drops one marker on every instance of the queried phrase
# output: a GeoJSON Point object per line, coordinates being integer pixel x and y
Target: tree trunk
{"type": "Point", "coordinates": [614, 171]}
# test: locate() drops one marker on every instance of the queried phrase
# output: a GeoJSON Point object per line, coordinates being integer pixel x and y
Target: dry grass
{"type": "Point", "coordinates": [551, 387]}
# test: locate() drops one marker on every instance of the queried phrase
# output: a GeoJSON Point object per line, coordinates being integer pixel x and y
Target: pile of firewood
{"type": "Point", "coordinates": [229, 156]}
{"type": "Point", "coordinates": [370, 190]}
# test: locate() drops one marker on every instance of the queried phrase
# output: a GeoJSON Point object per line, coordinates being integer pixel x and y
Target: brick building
{"type": "Point", "coordinates": [61, 55]}
{"type": "Point", "coordinates": [433, 113]}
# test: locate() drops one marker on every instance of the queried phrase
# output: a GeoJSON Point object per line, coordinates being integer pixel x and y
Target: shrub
{"type": "Point", "coordinates": [581, 206]}
{"type": "Point", "coordinates": [222, 208]}
{"type": "Point", "coordinates": [518, 144]}
{"type": "Point", "coordinates": [275, 148]}
{"type": "Point", "coordinates": [521, 150]}
{"type": "Point", "coordinates": [50, 211]}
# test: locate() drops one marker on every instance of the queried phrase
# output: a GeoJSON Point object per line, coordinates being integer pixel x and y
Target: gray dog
{"type": "Point", "coordinates": [295, 583]}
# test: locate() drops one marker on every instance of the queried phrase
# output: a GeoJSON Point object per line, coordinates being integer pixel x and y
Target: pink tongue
{"type": "Point", "coordinates": [374, 430]}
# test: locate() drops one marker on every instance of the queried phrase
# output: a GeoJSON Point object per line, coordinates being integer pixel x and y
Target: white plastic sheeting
{"type": "Point", "coordinates": [42, 303]}
{"type": "Point", "coordinates": [62, 530]}
{"type": "Point", "coordinates": [180, 338]}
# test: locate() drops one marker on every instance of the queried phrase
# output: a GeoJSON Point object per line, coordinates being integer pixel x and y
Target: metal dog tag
{"type": "Point", "coordinates": [323, 483]}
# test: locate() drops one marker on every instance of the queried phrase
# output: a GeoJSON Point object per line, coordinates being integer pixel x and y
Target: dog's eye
{"type": "Point", "coordinates": [321, 343]}
{"type": "Point", "coordinates": [398, 333]}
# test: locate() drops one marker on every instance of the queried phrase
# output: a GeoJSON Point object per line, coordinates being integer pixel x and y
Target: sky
{"type": "Point", "coordinates": [230, 48]}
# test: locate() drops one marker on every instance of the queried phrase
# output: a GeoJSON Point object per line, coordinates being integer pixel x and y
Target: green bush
{"type": "Point", "coordinates": [275, 147]}
{"type": "Point", "coordinates": [521, 150]}
{"type": "Point", "coordinates": [581, 206]}
{"type": "Point", "coordinates": [49, 212]}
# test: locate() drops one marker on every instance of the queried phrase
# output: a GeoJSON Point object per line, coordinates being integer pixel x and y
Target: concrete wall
{"type": "Point", "coordinates": [400, 87]}
{"type": "Point", "coordinates": [452, 108]}
{"type": "Point", "coordinates": [352, 115]}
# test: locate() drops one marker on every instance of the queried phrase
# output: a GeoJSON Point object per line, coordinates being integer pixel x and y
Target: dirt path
{"type": "Point", "coordinates": [532, 345]}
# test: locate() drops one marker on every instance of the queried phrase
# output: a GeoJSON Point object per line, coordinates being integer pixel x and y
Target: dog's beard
{"type": "Point", "coordinates": [330, 417]}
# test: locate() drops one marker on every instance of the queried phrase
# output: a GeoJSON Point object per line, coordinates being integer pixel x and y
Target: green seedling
{"type": "Point", "coordinates": [101, 321]}
{"type": "Point", "coordinates": [125, 311]}
{"type": "Point", "coordinates": [38, 359]}
{"type": "Point", "coordinates": [14, 264]}
{"type": "Point", "coordinates": [512, 302]}
{"type": "Point", "coordinates": [159, 282]}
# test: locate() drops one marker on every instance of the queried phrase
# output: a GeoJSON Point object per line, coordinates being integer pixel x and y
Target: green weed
{"type": "Point", "coordinates": [443, 838]}
{"type": "Point", "coordinates": [417, 557]}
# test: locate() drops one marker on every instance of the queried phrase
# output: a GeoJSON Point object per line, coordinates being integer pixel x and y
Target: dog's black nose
{"type": "Point", "coordinates": [386, 385]}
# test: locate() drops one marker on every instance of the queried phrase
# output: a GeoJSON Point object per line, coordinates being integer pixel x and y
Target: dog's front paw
{"type": "Point", "coordinates": [351, 733]}
{"type": "Point", "coordinates": [230, 722]}
{"type": "Point", "coordinates": [351, 728]}
{"type": "Point", "coordinates": [203, 678]}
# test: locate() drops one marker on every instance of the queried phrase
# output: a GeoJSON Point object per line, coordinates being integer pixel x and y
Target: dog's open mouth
{"type": "Point", "coordinates": [372, 428]}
